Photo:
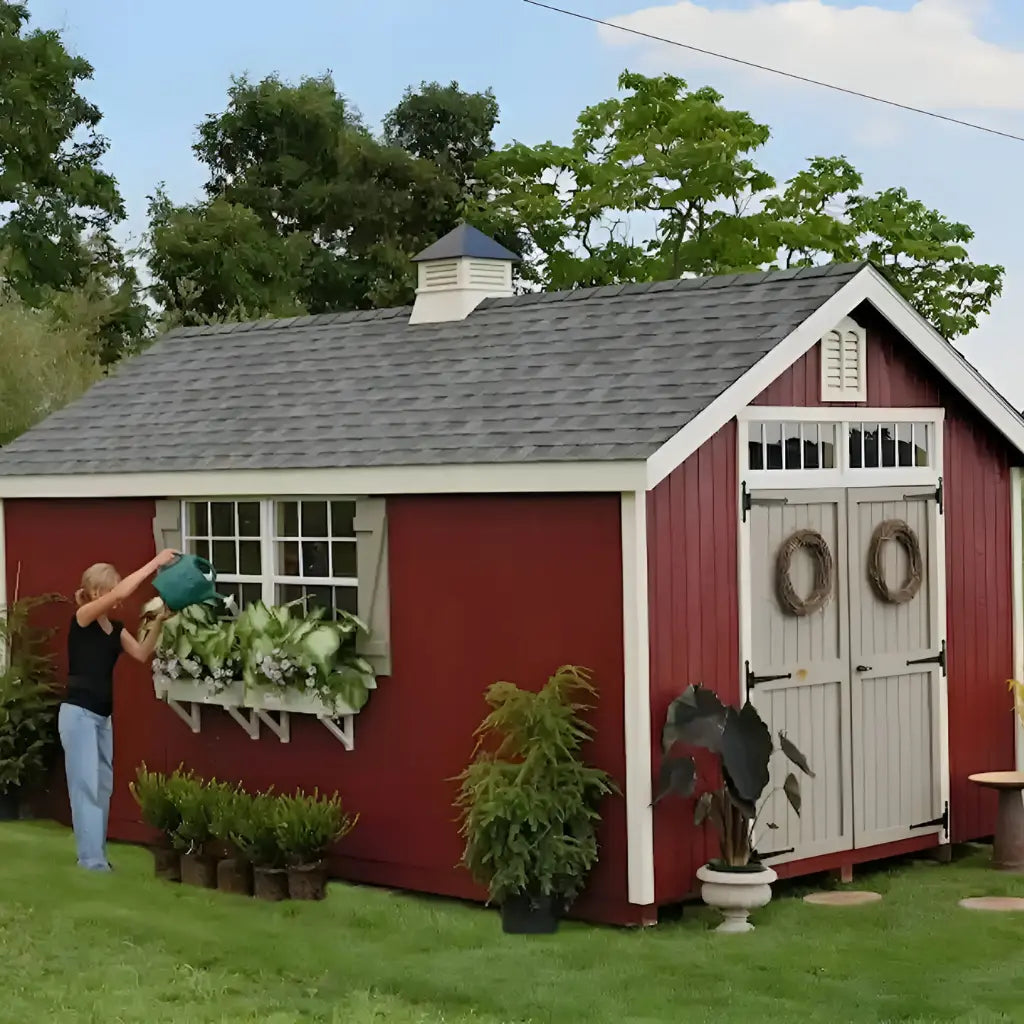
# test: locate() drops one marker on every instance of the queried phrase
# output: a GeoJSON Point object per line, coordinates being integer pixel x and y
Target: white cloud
{"type": "Point", "coordinates": [928, 56]}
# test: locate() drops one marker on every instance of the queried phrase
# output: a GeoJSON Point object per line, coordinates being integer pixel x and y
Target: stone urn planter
{"type": "Point", "coordinates": [736, 893]}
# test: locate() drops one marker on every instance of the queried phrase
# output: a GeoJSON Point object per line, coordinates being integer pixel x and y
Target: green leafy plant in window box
{"type": "Point", "coordinates": [289, 656]}
{"type": "Point", "coordinates": [196, 647]}
{"type": "Point", "coordinates": [529, 804]}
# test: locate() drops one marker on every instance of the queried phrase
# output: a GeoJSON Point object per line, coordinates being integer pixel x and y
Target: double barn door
{"type": "Point", "coordinates": [857, 685]}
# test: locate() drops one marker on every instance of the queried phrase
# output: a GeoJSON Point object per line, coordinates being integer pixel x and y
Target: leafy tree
{"type": "Point", "coordinates": [662, 182]}
{"type": "Point", "coordinates": [204, 256]}
{"type": "Point", "coordinates": [47, 354]}
{"type": "Point", "coordinates": [57, 205]}
{"type": "Point", "coordinates": [300, 160]}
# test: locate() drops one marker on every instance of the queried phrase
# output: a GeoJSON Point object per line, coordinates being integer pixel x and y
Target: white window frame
{"type": "Point", "coordinates": [843, 474]}
{"type": "Point", "coordinates": [270, 578]}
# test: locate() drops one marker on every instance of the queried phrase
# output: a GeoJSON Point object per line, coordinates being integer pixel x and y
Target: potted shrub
{"type": "Point", "coordinates": [28, 705]}
{"type": "Point", "coordinates": [529, 804]}
{"type": "Point", "coordinates": [234, 872]}
{"type": "Point", "coordinates": [737, 882]}
{"type": "Point", "coordinates": [307, 826]}
{"type": "Point", "coordinates": [258, 839]}
{"type": "Point", "coordinates": [156, 795]}
{"type": "Point", "coordinates": [197, 803]}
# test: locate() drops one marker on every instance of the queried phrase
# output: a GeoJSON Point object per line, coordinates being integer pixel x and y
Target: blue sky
{"type": "Point", "coordinates": [160, 68]}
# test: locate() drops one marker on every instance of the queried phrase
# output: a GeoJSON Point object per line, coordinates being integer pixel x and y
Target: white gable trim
{"type": "Point", "coordinates": [868, 285]}
{"type": "Point", "coordinates": [511, 478]}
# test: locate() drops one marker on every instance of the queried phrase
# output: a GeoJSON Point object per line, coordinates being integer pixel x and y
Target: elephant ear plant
{"type": "Point", "coordinates": [529, 803]}
{"type": "Point", "coordinates": [743, 745]}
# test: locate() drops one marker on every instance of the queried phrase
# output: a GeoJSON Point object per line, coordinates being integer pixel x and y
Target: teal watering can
{"type": "Point", "coordinates": [188, 580]}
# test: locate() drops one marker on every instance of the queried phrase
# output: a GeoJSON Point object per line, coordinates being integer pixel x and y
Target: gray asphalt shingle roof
{"type": "Point", "coordinates": [597, 374]}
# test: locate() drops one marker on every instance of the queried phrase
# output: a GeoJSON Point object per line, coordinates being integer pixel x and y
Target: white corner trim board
{"type": "Point", "coordinates": [496, 478]}
{"type": "Point", "coordinates": [869, 286]}
{"type": "Point", "coordinates": [637, 705]}
{"type": "Point", "coordinates": [1017, 604]}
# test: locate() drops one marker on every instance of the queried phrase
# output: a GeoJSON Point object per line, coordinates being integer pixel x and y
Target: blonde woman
{"type": "Point", "coordinates": [95, 642]}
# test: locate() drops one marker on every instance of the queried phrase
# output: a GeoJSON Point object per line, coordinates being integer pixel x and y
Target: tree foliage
{"type": "Point", "coordinates": [57, 204]}
{"type": "Point", "coordinates": [47, 356]}
{"type": "Point", "coordinates": [662, 182]}
{"type": "Point", "coordinates": [337, 209]}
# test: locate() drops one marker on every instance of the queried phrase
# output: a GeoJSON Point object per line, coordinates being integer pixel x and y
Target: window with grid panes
{"type": "Point", "coordinates": [279, 551]}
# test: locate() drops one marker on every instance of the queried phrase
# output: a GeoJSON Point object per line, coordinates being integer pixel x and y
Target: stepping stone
{"type": "Point", "coordinates": [993, 903]}
{"type": "Point", "coordinates": [843, 898]}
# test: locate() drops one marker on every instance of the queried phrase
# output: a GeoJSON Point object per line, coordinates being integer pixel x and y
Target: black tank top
{"type": "Point", "coordinates": [92, 654]}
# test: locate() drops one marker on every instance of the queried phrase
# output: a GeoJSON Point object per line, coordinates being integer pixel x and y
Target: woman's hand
{"type": "Point", "coordinates": [165, 557]}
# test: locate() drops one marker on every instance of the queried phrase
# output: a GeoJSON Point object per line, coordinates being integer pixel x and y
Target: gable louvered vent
{"type": "Point", "coordinates": [844, 364]}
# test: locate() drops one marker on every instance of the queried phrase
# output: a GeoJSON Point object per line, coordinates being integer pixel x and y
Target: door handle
{"type": "Point", "coordinates": [863, 668]}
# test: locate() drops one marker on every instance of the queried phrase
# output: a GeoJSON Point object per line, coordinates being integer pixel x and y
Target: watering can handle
{"type": "Point", "coordinates": [206, 567]}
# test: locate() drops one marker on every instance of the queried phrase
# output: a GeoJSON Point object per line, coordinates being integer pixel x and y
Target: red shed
{"type": "Point", "coordinates": [503, 483]}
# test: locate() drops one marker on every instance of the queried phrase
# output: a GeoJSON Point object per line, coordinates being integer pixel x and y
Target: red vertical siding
{"type": "Point", "coordinates": [49, 544]}
{"type": "Point", "coordinates": [692, 528]}
{"type": "Point", "coordinates": [693, 571]}
{"type": "Point", "coordinates": [482, 588]}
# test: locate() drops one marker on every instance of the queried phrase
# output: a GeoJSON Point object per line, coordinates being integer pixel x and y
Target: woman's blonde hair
{"type": "Point", "coordinates": [97, 579]}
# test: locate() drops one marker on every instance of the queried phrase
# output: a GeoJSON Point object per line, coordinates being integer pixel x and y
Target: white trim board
{"type": "Point", "coordinates": [1017, 604]}
{"type": "Point", "coordinates": [870, 286]}
{"type": "Point", "coordinates": [499, 478]}
{"type": "Point", "coordinates": [637, 704]}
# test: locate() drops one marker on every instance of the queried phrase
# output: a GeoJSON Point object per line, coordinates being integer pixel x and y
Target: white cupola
{"type": "Point", "coordinates": [457, 273]}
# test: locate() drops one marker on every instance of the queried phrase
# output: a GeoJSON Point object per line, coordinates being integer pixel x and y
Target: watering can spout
{"type": "Point", "coordinates": [186, 581]}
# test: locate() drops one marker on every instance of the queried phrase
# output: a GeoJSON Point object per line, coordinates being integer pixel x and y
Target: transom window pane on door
{"type": "Point", "coordinates": [889, 445]}
{"type": "Point", "coordinates": [776, 445]}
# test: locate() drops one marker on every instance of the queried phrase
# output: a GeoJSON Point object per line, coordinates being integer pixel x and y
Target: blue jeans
{"type": "Point", "coordinates": [88, 742]}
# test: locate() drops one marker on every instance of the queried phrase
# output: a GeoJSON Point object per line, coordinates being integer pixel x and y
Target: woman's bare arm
{"type": "Point", "coordinates": [91, 611]}
{"type": "Point", "coordinates": [144, 650]}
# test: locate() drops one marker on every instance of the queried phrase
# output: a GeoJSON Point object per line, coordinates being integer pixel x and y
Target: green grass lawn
{"type": "Point", "coordinates": [79, 947]}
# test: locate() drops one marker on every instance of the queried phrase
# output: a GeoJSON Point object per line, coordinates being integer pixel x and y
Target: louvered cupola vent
{"type": "Point", "coordinates": [457, 273]}
{"type": "Point", "coordinates": [844, 364]}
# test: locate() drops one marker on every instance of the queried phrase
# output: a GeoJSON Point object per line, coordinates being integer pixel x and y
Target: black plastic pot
{"type": "Point", "coordinates": [529, 915]}
{"type": "Point", "coordinates": [9, 805]}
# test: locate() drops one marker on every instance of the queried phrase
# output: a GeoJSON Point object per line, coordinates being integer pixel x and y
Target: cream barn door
{"type": "Point", "coordinates": [798, 670]}
{"type": "Point", "coordinates": [897, 656]}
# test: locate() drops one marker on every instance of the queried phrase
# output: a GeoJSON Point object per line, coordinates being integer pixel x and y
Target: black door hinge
{"type": "Point", "coordinates": [936, 659]}
{"type": "Point", "coordinates": [747, 501]}
{"type": "Point", "coordinates": [937, 497]}
{"type": "Point", "coordinates": [942, 820]}
{"type": "Point", "coordinates": [753, 680]}
{"type": "Point", "coordinates": [775, 853]}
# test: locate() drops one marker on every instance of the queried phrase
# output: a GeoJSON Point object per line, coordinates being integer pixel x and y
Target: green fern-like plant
{"type": "Point", "coordinates": [308, 824]}
{"type": "Point", "coordinates": [528, 803]}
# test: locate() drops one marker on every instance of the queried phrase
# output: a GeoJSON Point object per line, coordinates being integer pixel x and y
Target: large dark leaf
{"type": "Point", "coordinates": [678, 776]}
{"type": "Point", "coordinates": [794, 755]}
{"type": "Point", "coordinates": [696, 719]}
{"type": "Point", "coordinates": [791, 787]}
{"type": "Point", "coordinates": [746, 807]}
{"type": "Point", "coordinates": [746, 750]}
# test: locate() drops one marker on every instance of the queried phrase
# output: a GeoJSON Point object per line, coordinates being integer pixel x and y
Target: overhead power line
{"type": "Point", "coordinates": [774, 71]}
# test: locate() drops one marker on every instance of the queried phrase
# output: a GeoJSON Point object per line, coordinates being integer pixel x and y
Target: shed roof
{"type": "Point", "coordinates": [599, 374]}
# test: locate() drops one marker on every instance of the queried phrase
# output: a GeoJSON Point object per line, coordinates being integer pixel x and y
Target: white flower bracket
{"type": "Point", "coordinates": [186, 697]}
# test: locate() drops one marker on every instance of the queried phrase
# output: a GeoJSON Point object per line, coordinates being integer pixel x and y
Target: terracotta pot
{"type": "Point", "coordinates": [308, 881]}
{"type": "Point", "coordinates": [198, 870]}
{"type": "Point", "coordinates": [270, 883]}
{"type": "Point", "coordinates": [166, 863]}
{"type": "Point", "coordinates": [234, 875]}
